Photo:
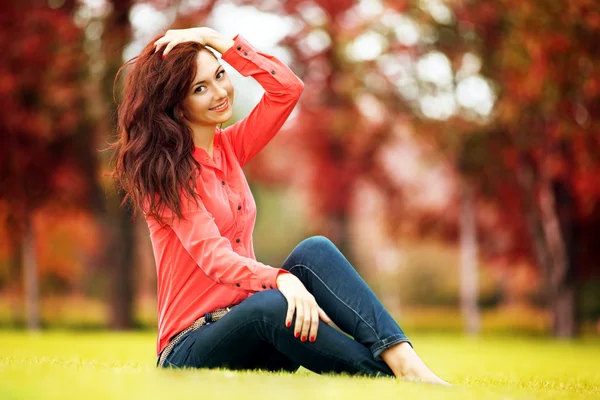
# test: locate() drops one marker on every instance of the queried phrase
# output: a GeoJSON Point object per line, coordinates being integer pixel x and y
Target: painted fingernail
{"type": "Point", "coordinates": [288, 324]}
{"type": "Point", "coordinates": [163, 56]}
{"type": "Point", "coordinates": [312, 338]}
{"type": "Point", "coordinates": [304, 338]}
{"type": "Point", "coordinates": [297, 334]}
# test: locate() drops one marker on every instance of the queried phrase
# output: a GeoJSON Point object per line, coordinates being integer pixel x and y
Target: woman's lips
{"type": "Point", "coordinates": [222, 107]}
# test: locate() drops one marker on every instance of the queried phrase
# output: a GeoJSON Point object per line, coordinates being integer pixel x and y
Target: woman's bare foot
{"type": "Point", "coordinates": [407, 365]}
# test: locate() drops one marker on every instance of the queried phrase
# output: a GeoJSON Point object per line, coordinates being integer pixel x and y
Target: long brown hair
{"type": "Point", "coordinates": [153, 151]}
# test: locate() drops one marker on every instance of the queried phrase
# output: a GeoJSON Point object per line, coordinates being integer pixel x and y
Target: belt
{"type": "Point", "coordinates": [206, 319]}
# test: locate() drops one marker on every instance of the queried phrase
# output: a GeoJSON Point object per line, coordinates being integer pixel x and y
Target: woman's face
{"type": "Point", "coordinates": [209, 101]}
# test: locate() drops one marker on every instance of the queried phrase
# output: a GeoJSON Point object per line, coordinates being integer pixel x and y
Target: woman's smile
{"type": "Point", "coordinates": [221, 107]}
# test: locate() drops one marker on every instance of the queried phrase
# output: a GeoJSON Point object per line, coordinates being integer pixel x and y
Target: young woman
{"type": "Point", "coordinates": [218, 306]}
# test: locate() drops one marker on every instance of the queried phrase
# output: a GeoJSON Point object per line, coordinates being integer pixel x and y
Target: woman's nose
{"type": "Point", "coordinates": [220, 92]}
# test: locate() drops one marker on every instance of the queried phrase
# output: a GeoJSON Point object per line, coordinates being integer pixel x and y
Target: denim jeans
{"type": "Point", "coordinates": [253, 335]}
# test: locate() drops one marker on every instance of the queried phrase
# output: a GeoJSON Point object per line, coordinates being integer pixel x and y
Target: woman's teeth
{"type": "Point", "coordinates": [221, 107]}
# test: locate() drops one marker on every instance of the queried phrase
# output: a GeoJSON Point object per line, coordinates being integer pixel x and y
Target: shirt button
{"type": "Point", "coordinates": [239, 47]}
{"type": "Point", "coordinates": [237, 240]}
{"type": "Point", "coordinates": [223, 183]}
{"type": "Point", "coordinates": [264, 286]}
{"type": "Point", "coordinates": [271, 286]}
{"type": "Point", "coordinates": [237, 284]}
{"type": "Point", "coordinates": [245, 53]}
{"type": "Point", "coordinates": [273, 71]}
{"type": "Point", "coordinates": [239, 208]}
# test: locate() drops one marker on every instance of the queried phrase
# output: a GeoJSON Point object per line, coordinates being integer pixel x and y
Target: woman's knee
{"type": "Point", "coordinates": [318, 246]}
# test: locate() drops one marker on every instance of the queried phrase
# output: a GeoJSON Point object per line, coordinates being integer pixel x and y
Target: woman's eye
{"type": "Point", "coordinates": [220, 74]}
{"type": "Point", "coordinates": [198, 89]}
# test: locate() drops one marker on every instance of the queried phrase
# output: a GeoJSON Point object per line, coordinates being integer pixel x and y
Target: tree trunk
{"type": "Point", "coordinates": [469, 290]}
{"type": "Point", "coordinates": [565, 324]}
{"type": "Point", "coordinates": [116, 35]}
{"type": "Point", "coordinates": [31, 281]}
{"type": "Point", "coordinates": [550, 223]}
{"type": "Point", "coordinates": [122, 269]}
{"type": "Point", "coordinates": [557, 219]}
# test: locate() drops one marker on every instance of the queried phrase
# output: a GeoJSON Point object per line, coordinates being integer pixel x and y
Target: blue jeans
{"type": "Point", "coordinates": [253, 334]}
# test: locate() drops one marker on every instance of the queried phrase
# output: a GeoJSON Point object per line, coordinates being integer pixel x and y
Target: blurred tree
{"type": "Point", "coordinates": [469, 274]}
{"type": "Point", "coordinates": [116, 220]}
{"type": "Point", "coordinates": [43, 147]}
{"type": "Point", "coordinates": [537, 159]}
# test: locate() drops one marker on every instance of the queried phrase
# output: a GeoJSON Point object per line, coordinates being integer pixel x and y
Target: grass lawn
{"type": "Point", "coordinates": [121, 366]}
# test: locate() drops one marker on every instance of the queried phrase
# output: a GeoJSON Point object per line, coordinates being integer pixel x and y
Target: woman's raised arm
{"type": "Point", "coordinates": [282, 91]}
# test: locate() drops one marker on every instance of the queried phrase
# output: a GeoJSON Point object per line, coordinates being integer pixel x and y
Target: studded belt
{"type": "Point", "coordinates": [206, 319]}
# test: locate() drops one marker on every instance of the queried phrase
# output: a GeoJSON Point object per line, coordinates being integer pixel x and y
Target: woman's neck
{"type": "Point", "coordinates": [203, 137]}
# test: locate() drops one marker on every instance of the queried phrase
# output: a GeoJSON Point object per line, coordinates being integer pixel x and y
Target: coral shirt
{"type": "Point", "coordinates": [207, 262]}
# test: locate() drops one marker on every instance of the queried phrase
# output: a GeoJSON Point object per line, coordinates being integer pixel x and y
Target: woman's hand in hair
{"type": "Point", "coordinates": [203, 35]}
{"type": "Point", "coordinates": [304, 304]}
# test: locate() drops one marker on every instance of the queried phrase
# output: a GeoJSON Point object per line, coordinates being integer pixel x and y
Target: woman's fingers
{"type": "Point", "coordinates": [162, 42]}
{"type": "Point", "coordinates": [168, 42]}
{"type": "Point", "coordinates": [299, 318]}
{"type": "Point", "coordinates": [170, 46]}
{"type": "Point", "coordinates": [314, 323]}
{"type": "Point", "coordinates": [306, 323]}
{"type": "Point", "coordinates": [158, 47]}
{"type": "Point", "coordinates": [324, 316]}
{"type": "Point", "coordinates": [304, 305]}
{"type": "Point", "coordinates": [290, 312]}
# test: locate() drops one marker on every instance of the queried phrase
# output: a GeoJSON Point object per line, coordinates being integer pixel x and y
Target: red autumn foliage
{"type": "Point", "coordinates": [43, 120]}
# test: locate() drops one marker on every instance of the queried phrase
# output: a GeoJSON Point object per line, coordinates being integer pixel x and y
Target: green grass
{"type": "Point", "coordinates": [121, 365]}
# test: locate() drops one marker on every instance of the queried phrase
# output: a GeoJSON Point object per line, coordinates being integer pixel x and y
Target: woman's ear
{"type": "Point", "coordinates": [180, 112]}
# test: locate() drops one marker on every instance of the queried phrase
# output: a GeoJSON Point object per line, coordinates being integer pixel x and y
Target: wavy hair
{"type": "Point", "coordinates": [153, 162]}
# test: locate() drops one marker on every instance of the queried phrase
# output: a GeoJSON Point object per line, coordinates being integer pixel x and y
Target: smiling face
{"type": "Point", "coordinates": [209, 101]}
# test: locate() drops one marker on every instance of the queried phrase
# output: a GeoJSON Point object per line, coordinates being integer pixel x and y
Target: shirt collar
{"type": "Point", "coordinates": [202, 156]}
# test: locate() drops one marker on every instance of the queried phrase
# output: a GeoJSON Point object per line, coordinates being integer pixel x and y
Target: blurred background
{"type": "Point", "coordinates": [450, 148]}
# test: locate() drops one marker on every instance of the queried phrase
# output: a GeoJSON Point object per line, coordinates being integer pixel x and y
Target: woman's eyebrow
{"type": "Point", "coordinates": [216, 72]}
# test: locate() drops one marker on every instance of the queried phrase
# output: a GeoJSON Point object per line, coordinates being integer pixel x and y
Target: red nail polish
{"type": "Point", "coordinates": [312, 338]}
{"type": "Point", "coordinates": [163, 56]}
{"type": "Point", "coordinates": [288, 324]}
{"type": "Point", "coordinates": [297, 334]}
{"type": "Point", "coordinates": [304, 338]}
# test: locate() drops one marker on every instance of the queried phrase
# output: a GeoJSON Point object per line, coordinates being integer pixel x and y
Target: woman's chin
{"type": "Point", "coordinates": [225, 117]}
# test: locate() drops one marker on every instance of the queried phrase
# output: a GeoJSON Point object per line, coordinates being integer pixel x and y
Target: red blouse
{"type": "Point", "coordinates": [207, 261]}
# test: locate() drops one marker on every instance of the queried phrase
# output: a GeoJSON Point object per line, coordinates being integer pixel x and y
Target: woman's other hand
{"type": "Point", "coordinates": [304, 304]}
{"type": "Point", "coordinates": [203, 35]}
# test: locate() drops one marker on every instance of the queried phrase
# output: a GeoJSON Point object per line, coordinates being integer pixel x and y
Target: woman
{"type": "Point", "coordinates": [218, 306]}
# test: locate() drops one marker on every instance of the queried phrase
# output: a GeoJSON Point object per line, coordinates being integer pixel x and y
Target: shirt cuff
{"type": "Point", "coordinates": [266, 279]}
{"type": "Point", "coordinates": [247, 60]}
{"type": "Point", "coordinates": [241, 51]}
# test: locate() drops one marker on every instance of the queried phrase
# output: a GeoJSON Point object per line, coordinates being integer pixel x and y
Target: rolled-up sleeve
{"type": "Point", "coordinates": [213, 253]}
{"type": "Point", "coordinates": [282, 92]}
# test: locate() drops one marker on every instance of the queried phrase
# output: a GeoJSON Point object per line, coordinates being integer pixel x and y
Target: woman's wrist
{"type": "Point", "coordinates": [280, 273]}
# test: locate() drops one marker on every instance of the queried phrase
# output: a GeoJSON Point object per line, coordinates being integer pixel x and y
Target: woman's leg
{"type": "Point", "coordinates": [253, 335]}
{"type": "Point", "coordinates": [352, 305]}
